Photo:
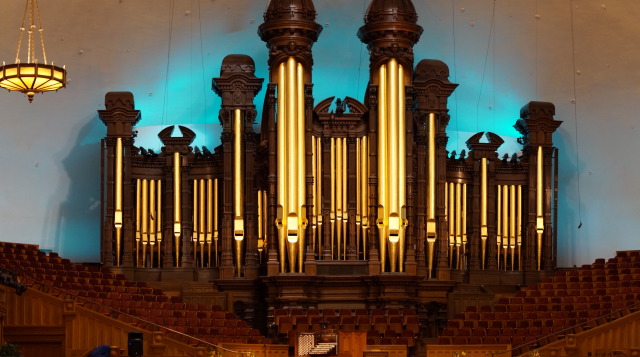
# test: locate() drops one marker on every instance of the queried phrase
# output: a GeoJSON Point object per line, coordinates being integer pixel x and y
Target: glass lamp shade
{"type": "Point", "coordinates": [32, 78]}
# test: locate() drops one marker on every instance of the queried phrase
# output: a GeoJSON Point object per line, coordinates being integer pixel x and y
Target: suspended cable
{"type": "Point", "coordinates": [484, 70]}
{"type": "Point", "coordinates": [455, 70]}
{"type": "Point", "coordinates": [166, 77]}
{"type": "Point", "coordinates": [364, 11]}
{"type": "Point", "coordinates": [575, 112]}
{"type": "Point", "coordinates": [204, 92]}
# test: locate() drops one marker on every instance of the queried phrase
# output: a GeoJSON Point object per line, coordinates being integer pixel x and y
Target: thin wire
{"type": "Point", "coordinates": [537, 34]}
{"type": "Point", "coordinates": [484, 71]}
{"type": "Point", "coordinates": [364, 9]}
{"type": "Point", "coordinates": [191, 64]}
{"type": "Point", "coordinates": [575, 113]}
{"type": "Point", "coordinates": [455, 69]}
{"type": "Point", "coordinates": [41, 30]}
{"type": "Point", "coordinates": [24, 17]}
{"type": "Point", "coordinates": [204, 93]}
{"type": "Point", "coordinates": [166, 77]}
{"type": "Point", "coordinates": [493, 99]}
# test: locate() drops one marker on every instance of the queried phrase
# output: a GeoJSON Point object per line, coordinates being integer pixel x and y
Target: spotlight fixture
{"type": "Point", "coordinates": [31, 77]}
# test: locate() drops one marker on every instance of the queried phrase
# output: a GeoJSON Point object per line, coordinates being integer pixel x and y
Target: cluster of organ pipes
{"type": "Point", "coordinates": [339, 197]}
{"type": "Point", "coordinates": [456, 208]}
{"type": "Point", "coordinates": [392, 163]}
{"type": "Point", "coordinates": [205, 222]}
{"type": "Point", "coordinates": [509, 226]}
{"type": "Point", "coordinates": [291, 216]}
{"type": "Point", "coordinates": [148, 222]}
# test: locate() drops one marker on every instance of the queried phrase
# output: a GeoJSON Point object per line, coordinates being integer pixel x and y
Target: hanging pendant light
{"type": "Point", "coordinates": [32, 77]}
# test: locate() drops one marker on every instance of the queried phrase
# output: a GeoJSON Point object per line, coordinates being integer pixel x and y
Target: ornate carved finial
{"type": "Point", "coordinates": [290, 29]}
{"type": "Point", "coordinates": [536, 124]}
{"type": "Point", "coordinates": [237, 84]}
{"type": "Point", "coordinates": [390, 31]}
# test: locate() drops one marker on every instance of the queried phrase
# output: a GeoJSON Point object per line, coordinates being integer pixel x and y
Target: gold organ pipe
{"type": "Point", "coordinates": [332, 214]}
{"type": "Point", "coordinates": [339, 173]}
{"type": "Point", "coordinates": [392, 165]}
{"type": "Point", "coordinates": [382, 168]}
{"type": "Point", "coordinates": [138, 208]}
{"type": "Point", "coordinates": [364, 161]}
{"type": "Point", "coordinates": [452, 221]}
{"type": "Point", "coordinates": [176, 205]}
{"type": "Point", "coordinates": [145, 217]}
{"type": "Point", "coordinates": [209, 236]}
{"type": "Point", "coordinates": [203, 221]}
{"type": "Point", "coordinates": [215, 220]}
{"type": "Point", "coordinates": [402, 167]}
{"type": "Point", "coordinates": [238, 226]}
{"type": "Point", "coordinates": [512, 224]}
{"type": "Point", "coordinates": [282, 159]}
{"type": "Point", "coordinates": [314, 168]}
{"type": "Point", "coordinates": [145, 228]}
{"type": "Point", "coordinates": [159, 219]}
{"type": "Point", "coordinates": [319, 182]}
{"type": "Point", "coordinates": [292, 162]}
{"type": "Point", "coordinates": [499, 221]}
{"type": "Point", "coordinates": [505, 222]}
{"type": "Point", "coordinates": [138, 217]}
{"type": "Point", "coordinates": [519, 226]}
{"type": "Point", "coordinates": [458, 222]}
{"type": "Point", "coordinates": [463, 214]}
{"type": "Point", "coordinates": [345, 213]}
{"type": "Point", "coordinates": [202, 235]}
{"type": "Point", "coordinates": [301, 171]}
{"type": "Point", "coordinates": [117, 219]}
{"type": "Point", "coordinates": [238, 182]}
{"type": "Point", "coordinates": [358, 193]}
{"type": "Point", "coordinates": [152, 211]}
{"type": "Point", "coordinates": [431, 191]}
{"type": "Point", "coordinates": [484, 234]}
{"type": "Point", "coordinates": [539, 204]}
{"type": "Point", "coordinates": [196, 218]}
{"type": "Point", "coordinates": [152, 220]}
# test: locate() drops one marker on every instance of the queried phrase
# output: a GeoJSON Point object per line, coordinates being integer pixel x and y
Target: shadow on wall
{"type": "Point", "coordinates": [77, 226]}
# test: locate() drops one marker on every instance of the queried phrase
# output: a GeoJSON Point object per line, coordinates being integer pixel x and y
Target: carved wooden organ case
{"type": "Point", "coordinates": [340, 181]}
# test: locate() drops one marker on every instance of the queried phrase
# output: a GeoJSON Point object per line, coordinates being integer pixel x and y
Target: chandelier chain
{"type": "Point", "coordinates": [41, 30]}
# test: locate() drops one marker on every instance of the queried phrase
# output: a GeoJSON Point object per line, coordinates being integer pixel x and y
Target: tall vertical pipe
{"type": "Point", "coordinates": [117, 219]}
{"type": "Point", "coordinates": [196, 217]}
{"type": "Point", "coordinates": [145, 218]}
{"type": "Point", "coordinates": [431, 192]}
{"type": "Point", "coordinates": [539, 204]}
{"type": "Point", "coordinates": [319, 191]}
{"type": "Point", "coordinates": [138, 217]}
{"type": "Point", "coordinates": [209, 237]}
{"type": "Point", "coordinates": [505, 222]}
{"type": "Point", "coordinates": [152, 220]}
{"type": "Point", "coordinates": [215, 220]}
{"type": "Point", "coordinates": [301, 171]}
{"type": "Point", "coordinates": [365, 194]}
{"type": "Point", "coordinates": [345, 212]}
{"type": "Point", "coordinates": [202, 231]}
{"type": "Point", "coordinates": [519, 227]}
{"type": "Point", "coordinates": [238, 184]}
{"type": "Point", "coordinates": [382, 166]}
{"type": "Point", "coordinates": [458, 212]}
{"type": "Point", "coordinates": [177, 187]}
{"type": "Point", "coordinates": [339, 188]}
{"type": "Point", "coordinates": [452, 221]}
{"type": "Point", "coordinates": [463, 214]}
{"type": "Point", "coordinates": [159, 220]}
{"type": "Point", "coordinates": [484, 234]}
{"type": "Point", "coordinates": [402, 167]}
{"type": "Point", "coordinates": [332, 214]}
{"type": "Point", "coordinates": [512, 224]}
{"type": "Point", "coordinates": [498, 221]}
{"type": "Point", "coordinates": [282, 160]}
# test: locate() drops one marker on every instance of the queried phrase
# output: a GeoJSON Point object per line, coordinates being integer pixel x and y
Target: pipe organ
{"type": "Point", "coordinates": [341, 184]}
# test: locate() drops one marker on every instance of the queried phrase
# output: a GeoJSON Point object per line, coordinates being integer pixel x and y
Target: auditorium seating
{"type": "Point", "coordinates": [383, 326]}
{"type": "Point", "coordinates": [569, 302]}
{"type": "Point", "coordinates": [131, 301]}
